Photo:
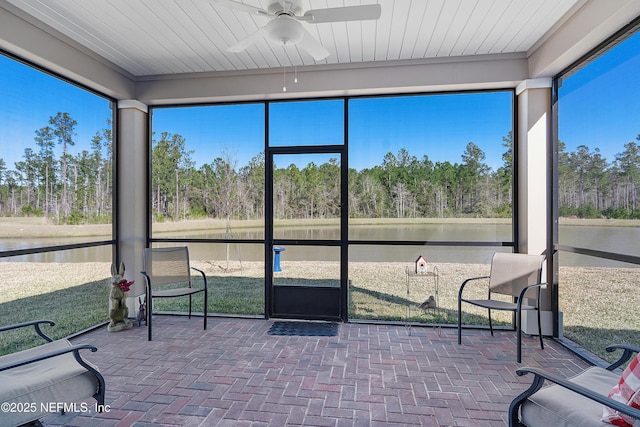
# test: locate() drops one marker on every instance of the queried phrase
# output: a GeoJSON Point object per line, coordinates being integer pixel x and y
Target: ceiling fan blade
{"type": "Point", "coordinates": [340, 14]}
{"type": "Point", "coordinates": [242, 7]}
{"type": "Point", "coordinates": [247, 41]}
{"type": "Point", "coordinates": [312, 46]}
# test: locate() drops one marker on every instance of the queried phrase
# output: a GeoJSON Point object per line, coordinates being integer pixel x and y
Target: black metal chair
{"type": "Point", "coordinates": [516, 275]}
{"type": "Point", "coordinates": [170, 266]}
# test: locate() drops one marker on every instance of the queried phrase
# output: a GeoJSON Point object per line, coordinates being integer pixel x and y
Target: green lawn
{"type": "Point", "coordinates": [598, 304]}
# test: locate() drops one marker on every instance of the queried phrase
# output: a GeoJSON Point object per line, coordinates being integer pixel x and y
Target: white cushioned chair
{"type": "Point", "coordinates": [51, 372]}
{"type": "Point", "coordinates": [572, 402]}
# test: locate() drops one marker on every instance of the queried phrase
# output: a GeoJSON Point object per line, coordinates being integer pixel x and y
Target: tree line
{"type": "Point", "coordinates": [591, 187]}
{"type": "Point", "coordinates": [78, 188]}
{"type": "Point", "coordinates": [402, 186]}
{"type": "Point", "coordinates": [64, 188]}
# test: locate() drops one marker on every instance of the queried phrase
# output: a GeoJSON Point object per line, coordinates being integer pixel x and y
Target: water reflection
{"type": "Point", "coordinates": [613, 239]}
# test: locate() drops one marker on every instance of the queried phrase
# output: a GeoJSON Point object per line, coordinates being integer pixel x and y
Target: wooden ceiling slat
{"type": "Point", "coordinates": [154, 37]}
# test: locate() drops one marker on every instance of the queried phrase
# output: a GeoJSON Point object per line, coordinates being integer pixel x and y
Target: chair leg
{"type": "Point", "coordinates": [540, 329]}
{"type": "Point", "coordinates": [490, 323]}
{"type": "Point", "coordinates": [149, 316]}
{"type": "Point", "coordinates": [190, 300]}
{"type": "Point", "coordinates": [519, 338]}
{"type": "Point", "coordinates": [205, 309]}
{"type": "Point", "coordinates": [459, 321]}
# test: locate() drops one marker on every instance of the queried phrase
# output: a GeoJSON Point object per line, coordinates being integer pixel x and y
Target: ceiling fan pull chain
{"type": "Point", "coordinates": [284, 79]}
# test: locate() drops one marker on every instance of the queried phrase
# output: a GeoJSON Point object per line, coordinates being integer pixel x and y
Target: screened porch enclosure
{"type": "Point", "coordinates": [355, 171]}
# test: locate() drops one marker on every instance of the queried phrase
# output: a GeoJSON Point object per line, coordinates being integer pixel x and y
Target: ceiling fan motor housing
{"type": "Point", "coordinates": [289, 7]}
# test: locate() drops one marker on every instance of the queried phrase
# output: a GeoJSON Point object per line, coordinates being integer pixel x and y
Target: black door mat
{"type": "Point", "coordinates": [304, 329]}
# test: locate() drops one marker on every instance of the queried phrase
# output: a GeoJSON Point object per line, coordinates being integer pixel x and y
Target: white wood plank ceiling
{"type": "Point", "coordinates": [157, 37]}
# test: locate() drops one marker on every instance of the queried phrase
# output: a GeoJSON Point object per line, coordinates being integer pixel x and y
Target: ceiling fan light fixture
{"type": "Point", "coordinates": [284, 30]}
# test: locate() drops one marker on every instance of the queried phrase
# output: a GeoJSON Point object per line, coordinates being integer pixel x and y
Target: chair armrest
{"type": "Point", "coordinates": [147, 281]}
{"type": "Point", "coordinates": [467, 281]}
{"type": "Point", "coordinates": [75, 349]}
{"type": "Point", "coordinates": [629, 351]}
{"type": "Point", "coordinates": [35, 323]}
{"type": "Point", "coordinates": [527, 289]}
{"type": "Point", "coordinates": [204, 276]}
{"type": "Point", "coordinates": [538, 380]}
{"type": "Point", "coordinates": [50, 354]}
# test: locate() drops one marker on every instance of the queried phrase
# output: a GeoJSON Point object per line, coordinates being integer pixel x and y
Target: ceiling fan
{"type": "Point", "coordinates": [285, 28]}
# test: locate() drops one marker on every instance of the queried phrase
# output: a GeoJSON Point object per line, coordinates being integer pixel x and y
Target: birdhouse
{"type": "Point", "coordinates": [421, 265]}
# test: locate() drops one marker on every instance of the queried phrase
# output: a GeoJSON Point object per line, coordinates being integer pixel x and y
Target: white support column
{"type": "Point", "coordinates": [132, 193]}
{"type": "Point", "coordinates": [534, 133]}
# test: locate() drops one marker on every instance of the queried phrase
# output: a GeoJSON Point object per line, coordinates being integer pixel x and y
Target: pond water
{"type": "Point", "coordinates": [614, 239]}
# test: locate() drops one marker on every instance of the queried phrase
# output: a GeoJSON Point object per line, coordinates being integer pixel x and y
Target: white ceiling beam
{"type": "Point", "coordinates": [462, 73]}
{"type": "Point", "coordinates": [593, 23]}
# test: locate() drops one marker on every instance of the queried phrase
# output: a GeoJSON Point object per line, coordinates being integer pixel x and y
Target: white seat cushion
{"type": "Point", "coordinates": [59, 379]}
{"type": "Point", "coordinates": [558, 407]}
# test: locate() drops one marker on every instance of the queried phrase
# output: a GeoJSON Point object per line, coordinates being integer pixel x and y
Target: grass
{"type": "Point", "coordinates": [599, 304]}
{"type": "Point", "coordinates": [235, 295]}
{"type": "Point", "coordinates": [74, 296]}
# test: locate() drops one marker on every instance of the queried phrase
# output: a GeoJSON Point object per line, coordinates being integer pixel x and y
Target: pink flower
{"type": "Point", "coordinates": [125, 285]}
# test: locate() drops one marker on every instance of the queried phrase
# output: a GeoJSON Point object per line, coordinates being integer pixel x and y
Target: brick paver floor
{"type": "Point", "coordinates": [236, 374]}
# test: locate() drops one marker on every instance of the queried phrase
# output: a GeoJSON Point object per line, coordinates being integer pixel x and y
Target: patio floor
{"type": "Point", "coordinates": [237, 374]}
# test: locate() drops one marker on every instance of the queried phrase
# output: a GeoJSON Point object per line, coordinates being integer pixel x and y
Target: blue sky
{"type": "Point", "coordinates": [600, 107]}
{"type": "Point", "coordinates": [438, 126]}
{"type": "Point", "coordinates": [614, 118]}
{"type": "Point", "coordinates": [28, 98]}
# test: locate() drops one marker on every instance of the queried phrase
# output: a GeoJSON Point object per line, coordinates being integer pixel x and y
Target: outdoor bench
{"type": "Point", "coordinates": [577, 401]}
{"type": "Point", "coordinates": [49, 378]}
